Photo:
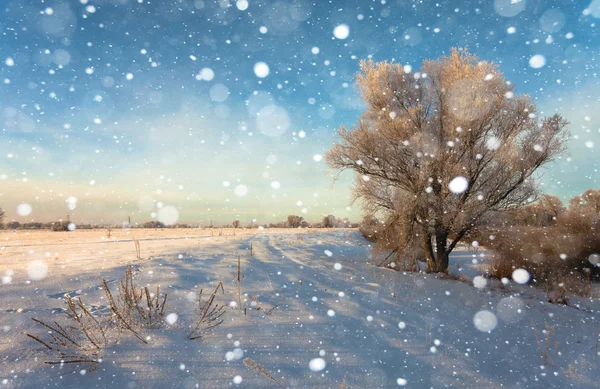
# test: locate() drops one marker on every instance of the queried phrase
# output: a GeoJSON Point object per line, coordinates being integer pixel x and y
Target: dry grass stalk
{"type": "Point", "coordinates": [89, 325]}
{"type": "Point", "coordinates": [140, 306]}
{"type": "Point", "coordinates": [138, 254]}
{"type": "Point", "coordinates": [208, 315]}
{"type": "Point", "coordinates": [597, 342]}
{"type": "Point", "coordinates": [114, 308]}
{"type": "Point", "coordinates": [155, 311]}
{"type": "Point", "coordinates": [238, 279]}
{"type": "Point", "coordinates": [343, 383]}
{"type": "Point", "coordinates": [82, 341]}
{"type": "Point", "coordinates": [252, 364]}
{"type": "Point", "coordinates": [571, 371]}
{"type": "Point", "coordinates": [135, 308]}
{"type": "Point", "coordinates": [270, 311]}
{"type": "Point", "coordinates": [78, 343]}
{"type": "Point", "coordinates": [544, 351]}
{"type": "Point", "coordinates": [255, 303]}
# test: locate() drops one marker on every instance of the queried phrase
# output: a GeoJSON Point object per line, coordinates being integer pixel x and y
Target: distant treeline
{"type": "Point", "coordinates": [293, 221]}
{"type": "Point", "coordinates": [54, 226]}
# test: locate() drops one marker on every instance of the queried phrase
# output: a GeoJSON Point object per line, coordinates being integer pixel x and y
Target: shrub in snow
{"type": "Point", "coordinates": [83, 339]}
{"type": "Point", "coordinates": [370, 227]}
{"type": "Point", "coordinates": [556, 245]}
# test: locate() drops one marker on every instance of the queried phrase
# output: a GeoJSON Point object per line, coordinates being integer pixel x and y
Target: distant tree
{"type": "Point", "coordinates": [434, 151]}
{"type": "Point", "coordinates": [549, 209]}
{"type": "Point", "coordinates": [524, 215]}
{"type": "Point", "coordinates": [329, 221]}
{"type": "Point", "coordinates": [13, 225]}
{"type": "Point", "coordinates": [294, 221]}
{"type": "Point", "coordinates": [587, 203]}
{"type": "Point", "coordinates": [33, 225]}
{"type": "Point", "coordinates": [542, 213]}
{"type": "Point", "coordinates": [153, 224]}
{"type": "Point", "coordinates": [552, 204]}
{"type": "Point", "coordinates": [369, 227]}
{"type": "Point", "coordinates": [1, 216]}
{"type": "Point", "coordinates": [62, 225]}
{"type": "Point", "coordinates": [236, 223]}
{"type": "Point", "coordinates": [583, 214]}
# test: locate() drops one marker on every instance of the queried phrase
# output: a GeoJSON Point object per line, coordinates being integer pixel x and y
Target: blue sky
{"type": "Point", "coordinates": [130, 106]}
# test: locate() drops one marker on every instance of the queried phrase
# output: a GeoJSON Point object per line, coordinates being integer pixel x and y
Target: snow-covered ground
{"type": "Point", "coordinates": [378, 328]}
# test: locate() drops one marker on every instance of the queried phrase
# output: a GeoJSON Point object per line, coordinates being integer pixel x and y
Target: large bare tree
{"type": "Point", "coordinates": [434, 151]}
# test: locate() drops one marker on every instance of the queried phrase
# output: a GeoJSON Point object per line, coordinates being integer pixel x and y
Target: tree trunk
{"type": "Point", "coordinates": [442, 262]}
{"type": "Point", "coordinates": [441, 255]}
{"type": "Point", "coordinates": [429, 254]}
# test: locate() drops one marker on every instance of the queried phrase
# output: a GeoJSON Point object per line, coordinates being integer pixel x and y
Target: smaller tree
{"type": "Point", "coordinates": [329, 221]}
{"type": "Point", "coordinates": [549, 208]}
{"type": "Point", "coordinates": [236, 223]}
{"type": "Point", "coordinates": [583, 213]}
{"type": "Point", "coordinates": [540, 214]}
{"type": "Point", "coordinates": [586, 204]}
{"type": "Point", "coordinates": [62, 225]}
{"type": "Point", "coordinates": [14, 225]}
{"type": "Point", "coordinates": [153, 224]}
{"type": "Point", "coordinates": [1, 216]}
{"type": "Point", "coordinates": [370, 227]}
{"type": "Point", "coordinates": [294, 221]}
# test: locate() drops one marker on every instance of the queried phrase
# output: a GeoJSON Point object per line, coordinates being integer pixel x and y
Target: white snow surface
{"type": "Point", "coordinates": [437, 346]}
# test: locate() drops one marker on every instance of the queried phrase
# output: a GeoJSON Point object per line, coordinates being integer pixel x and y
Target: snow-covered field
{"type": "Point", "coordinates": [336, 316]}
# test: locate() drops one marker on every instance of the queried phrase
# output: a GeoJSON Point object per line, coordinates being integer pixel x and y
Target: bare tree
{"type": "Point", "coordinates": [549, 208]}
{"type": "Point", "coordinates": [587, 203]}
{"type": "Point", "coordinates": [552, 205]}
{"type": "Point", "coordinates": [369, 227]}
{"type": "Point", "coordinates": [2, 214]}
{"type": "Point", "coordinates": [542, 213]}
{"type": "Point", "coordinates": [295, 221]}
{"type": "Point", "coordinates": [435, 151]}
{"type": "Point", "coordinates": [236, 223]}
{"type": "Point", "coordinates": [329, 221]}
